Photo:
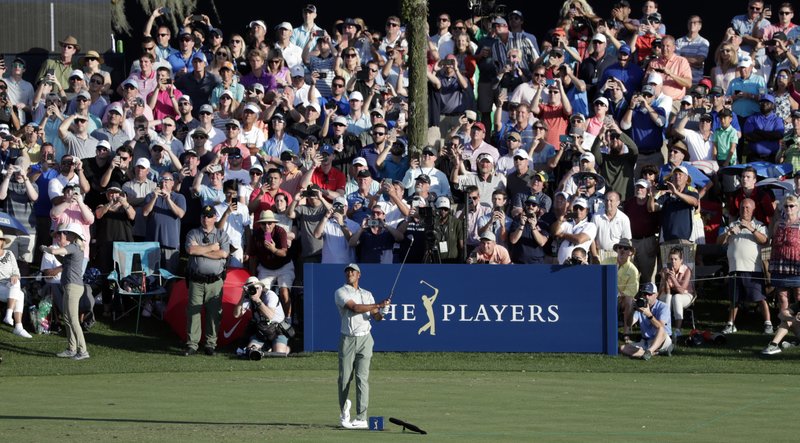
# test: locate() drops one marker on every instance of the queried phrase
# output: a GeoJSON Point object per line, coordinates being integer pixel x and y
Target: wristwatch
{"type": "Point", "coordinates": [650, 317]}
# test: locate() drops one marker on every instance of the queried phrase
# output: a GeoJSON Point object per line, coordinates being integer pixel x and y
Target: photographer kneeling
{"type": "Point", "coordinates": [654, 319]}
{"type": "Point", "coordinates": [265, 325]}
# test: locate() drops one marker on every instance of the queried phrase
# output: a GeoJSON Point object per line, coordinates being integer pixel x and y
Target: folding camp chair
{"type": "Point", "coordinates": [137, 275]}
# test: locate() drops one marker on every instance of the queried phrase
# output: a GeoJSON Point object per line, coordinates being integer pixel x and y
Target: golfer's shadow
{"type": "Point", "coordinates": [163, 422]}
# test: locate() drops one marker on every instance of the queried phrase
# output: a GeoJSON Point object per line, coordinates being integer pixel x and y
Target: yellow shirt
{"type": "Point", "coordinates": [627, 279]}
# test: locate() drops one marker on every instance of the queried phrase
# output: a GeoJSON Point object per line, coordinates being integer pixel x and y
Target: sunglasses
{"type": "Point", "coordinates": [97, 82]}
{"type": "Point", "coordinates": [101, 148]}
{"type": "Point", "coordinates": [376, 133]}
{"type": "Point", "coordinates": [231, 127]}
{"type": "Point", "coordinates": [199, 136]}
{"type": "Point", "coordinates": [256, 172]}
{"type": "Point", "coordinates": [124, 158]}
{"type": "Point", "coordinates": [221, 54]}
{"type": "Point", "coordinates": [789, 206]}
{"type": "Point", "coordinates": [337, 85]}
{"type": "Point", "coordinates": [392, 24]}
{"type": "Point", "coordinates": [350, 55]}
{"type": "Point", "coordinates": [163, 35]}
{"type": "Point", "coordinates": [236, 42]}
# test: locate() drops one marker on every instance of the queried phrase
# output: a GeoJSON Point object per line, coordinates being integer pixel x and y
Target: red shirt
{"type": "Point", "coordinates": [332, 181]}
{"type": "Point", "coordinates": [764, 209]}
{"type": "Point", "coordinates": [556, 120]}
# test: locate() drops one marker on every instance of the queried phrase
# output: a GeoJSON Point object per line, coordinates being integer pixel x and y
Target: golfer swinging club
{"type": "Point", "coordinates": [356, 306]}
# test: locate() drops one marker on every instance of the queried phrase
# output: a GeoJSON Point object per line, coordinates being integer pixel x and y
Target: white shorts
{"type": "Point", "coordinates": [284, 275]}
{"type": "Point", "coordinates": [13, 292]}
{"type": "Point", "coordinates": [22, 247]}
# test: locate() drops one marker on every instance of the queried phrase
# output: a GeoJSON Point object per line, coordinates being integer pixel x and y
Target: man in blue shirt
{"type": "Point", "coordinates": [653, 317]}
{"type": "Point", "coordinates": [764, 131]}
{"type": "Point", "coordinates": [677, 205]}
{"type": "Point", "coordinates": [630, 74]}
{"type": "Point", "coordinates": [646, 123]}
{"type": "Point", "coordinates": [745, 89]}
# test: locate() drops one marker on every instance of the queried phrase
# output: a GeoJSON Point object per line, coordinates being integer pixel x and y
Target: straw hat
{"type": "Point", "coordinates": [6, 239]}
{"type": "Point", "coordinates": [92, 54]}
{"type": "Point", "coordinates": [268, 217]}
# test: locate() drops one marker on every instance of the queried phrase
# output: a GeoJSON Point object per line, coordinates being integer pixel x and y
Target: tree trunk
{"type": "Point", "coordinates": [415, 15]}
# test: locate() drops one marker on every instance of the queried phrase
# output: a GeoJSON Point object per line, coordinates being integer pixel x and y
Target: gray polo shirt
{"type": "Point", "coordinates": [81, 148]}
{"type": "Point", "coordinates": [354, 324]}
{"type": "Point", "coordinates": [116, 140]}
{"type": "Point", "coordinates": [204, 265]}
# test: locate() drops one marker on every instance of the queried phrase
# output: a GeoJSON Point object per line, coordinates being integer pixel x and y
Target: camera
{"type": "Point", "coordinates": [662, 187]}
{"type": "Point", "coordinates": [573, 261]}
{"type": "Point", "coordinates": [322, 74]}
{"type": "Point", "coordinates": [373, 223]}
{"type": "Point", "coordinates": [319, 33]}
{"type": "Point", "coordinates": [251, 290]}
{"type": "Point", "coordinates": [640, 301]}
{"type": "Point", "coordinates": [338, 208]}
{"type": "Point", "coordinates": [254, 354]}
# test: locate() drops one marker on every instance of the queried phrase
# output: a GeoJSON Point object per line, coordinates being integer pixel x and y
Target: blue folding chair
{"type": "Point", "coordinates": [137, 275]}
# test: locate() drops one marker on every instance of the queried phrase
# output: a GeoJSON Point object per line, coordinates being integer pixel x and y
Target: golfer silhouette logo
{"type": "Point", "coordinates": [428, 302]}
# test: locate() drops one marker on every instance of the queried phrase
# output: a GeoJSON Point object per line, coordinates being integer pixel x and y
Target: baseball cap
{"type": "Point", "coordinates": [363, 173]}
{"type": "Point", "coordinates": [101, 144]}
{"type": "Point", "coordinates": [278, 116]}
{"type": "Point", "coordinates": [587, 156]}
{"type": "Point", "coordinates": [298, 71]}
{"type": "Point", "coordinates": [725, 112]}
{"type": "Point", "coordinates": [488, 235]}
{"type": "Point", "coordinates": [745, 63]}
{"type": "Point", "coordinates": [423, 178]}
{"type": "Point", "coordinates": [257, 23]}
{"type": "Point", "coordinates": [378, 111]}
{"type": "Point", "coordinates": [682, 169]}
{"type": "Point", "coordinates": [716, 91]}
{"type": "Point", "coordinates": [767, 98]}
{"type": "Point", "coordinates": [130, 82]}
{"type": "Point", "coordinates": [687, 99]}
{"type": "Point", "coordinates": [602, 100]}
{"type": "Point", "coordinates": [480, 126]}
{"type": "Point", "coordinates": [208, 211]}
{"type": "Point", "coordinates": [599, 38]}
{"type": "Point", "coordinates": [77, 73]}
{"type": "Point", "coordinates": [355, 95]}
{"type": "Point", "coordinates": [580, 201]}
{"type": "Point", "coordinates": [624, 49]}
{"type": "Point", "coordinates": [648, 89]}
{"type": "Point", "coordinates": [428, 150]}
{"type": "Point", "coordinates": [227, 65]}
{"type": "Point", "coordinates": [284, 25]}
{"type": "Point", "coordinates": [206, 108]}
{"type": "Point", "coordinates": [326, 150]}
{"type": "Point", "coordinates": [314, 105]}
{"type": "Point", "coordinates": [442, 202]}
{"type": "Point", "coordinates": [252, 107]}
{"type": "Point", "coordinates": [513, 135]}
{"type": "Point", "coordinates": [339, 120]}
{"type": "Point", "coordinates": [116, 108]}
{"type": "Point", "coordinates": [516, 12]}
{"type": "Point", "coordinates": [471, 115]}
{"type": "Point", "coordinates": [340, 200]}
{"type": "Point", "coordinates": [353, 266]}
{"type": "Point", "coordinates": [643, 183]}
{"type": "Point", "coordinates": [257, 166]}
{"type": "Point", "coordinates": [655, 78]}
{"type": "Point", "coordinates": [499, 21]}
{"type": "Point", "coordinates": [649, 288]}
{"type": "Point", "coordinates": [84, 94]}
{"type": "Point", "coordinates": [532, 199]}
{"type": "Point", "coordinates": [522, 153]}
{"type": "Point", "coordinates": [485, 156]}
{"type": "Point", "coordinates": [199, 55]}
{"type": "Point", "coordinates": [143, 162]}
{"type": "Point", "coordinates": [185, 98]}
{"type": "Point", "coordinates": [360, 161]}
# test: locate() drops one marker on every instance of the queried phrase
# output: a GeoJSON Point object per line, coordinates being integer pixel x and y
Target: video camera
{"type": "Point", "coordinates": [486, 8]}
{"type": "Point", "coordinates": [573, 261]}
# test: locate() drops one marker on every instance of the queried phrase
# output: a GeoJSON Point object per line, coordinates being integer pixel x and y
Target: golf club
{"type": "Point", "coordinates": [423, 282]}
{"type": "Point", "coordinates": [391, 293]}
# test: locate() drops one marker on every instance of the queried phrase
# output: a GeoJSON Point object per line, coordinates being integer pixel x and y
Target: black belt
{"type": "Point", "coordinates": [203, 278]}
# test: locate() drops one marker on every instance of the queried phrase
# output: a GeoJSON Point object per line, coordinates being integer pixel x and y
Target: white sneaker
{"type": "Point", "coordinates": [729, 329]}
{"type": "Point", "coordinates": [768, 329]}
{"type": "Point", "coordinates": [8, 321]}
{"type": "Point", "coordinates": [66, 354]}
{"type": "Point", "coordinates": [83, 355]}
{"type": "Point", "coordinates": [18, 330]}
{"type": "Point", "coordinates": [344, 416]}
{"type": "Point", "coordinates": [359, 424]}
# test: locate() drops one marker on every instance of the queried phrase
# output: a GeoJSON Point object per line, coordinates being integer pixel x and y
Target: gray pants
{"type": "Point", "coordinates": [355, 354]}
{"type": "Point", "coordinates": [646, 258]}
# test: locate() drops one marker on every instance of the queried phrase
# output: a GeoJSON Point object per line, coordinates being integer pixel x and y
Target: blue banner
{"type": "Point", "coordinates": [474, 308]}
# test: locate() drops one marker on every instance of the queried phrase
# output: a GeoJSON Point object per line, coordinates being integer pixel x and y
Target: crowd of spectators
{"type": "Point", "coordinates": [597, 136]}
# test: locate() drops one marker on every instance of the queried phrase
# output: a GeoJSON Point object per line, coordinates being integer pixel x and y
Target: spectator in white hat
{"type": "Point", "coordinates": [336, 229]}
{"type": "Point", "coordinates": [612, 225]}
{"type": "Point", "coordinates": [660, 99]}
{"type": "Point", "coordinates": [644, 227]}
{"type": "Point", "coordinates": [292, 53]}
{"type": "Point", "coordinates": [596, 61]}
{"type": "Point", "coordinates": [137, 189]}
{"type": "Point", "coordinates": [575, 230]}
{"type": "Point", "coordinates": [486, 179]}
{"type": "Point", "coordinates": [358, 120]}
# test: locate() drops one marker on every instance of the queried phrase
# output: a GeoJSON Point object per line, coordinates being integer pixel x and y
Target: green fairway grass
{"type": "Point", "coordinates": [137, 388]}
